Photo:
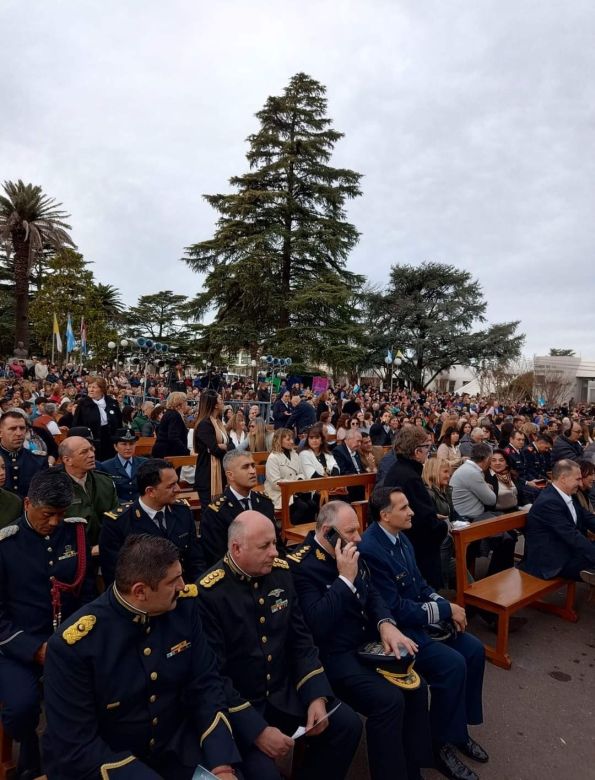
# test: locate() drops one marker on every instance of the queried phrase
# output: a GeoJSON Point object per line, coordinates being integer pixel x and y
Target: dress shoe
{"type": "Point", "coordinates": [514, 623]}
{"type": "Point", "coordinates": [450, 765]}
{"type": "Point", "coordinates": [474, 750]}
{"type": "Point", "coordinates": [588, 576]}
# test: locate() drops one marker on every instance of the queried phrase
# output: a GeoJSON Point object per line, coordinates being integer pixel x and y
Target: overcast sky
{"type": "Point", "coordinates": [473, 122]}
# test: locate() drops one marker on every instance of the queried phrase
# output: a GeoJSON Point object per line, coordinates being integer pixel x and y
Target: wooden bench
{"type": "Point", "coordinates": [144, 445]}
{"type": "Point", "coordinates": [177, 461]}
{"type": "Point", "coordinates": [507, 591]}
{"type": "Point", "coordinates": [297, 533]}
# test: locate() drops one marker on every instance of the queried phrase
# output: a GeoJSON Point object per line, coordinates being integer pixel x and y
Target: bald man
{"type": "Point", "coordinates": [274, 678]}
{"type": "Point", "coordinates": [94, 492]}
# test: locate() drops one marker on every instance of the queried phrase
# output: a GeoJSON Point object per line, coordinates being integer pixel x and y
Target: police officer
{"type": "Point", "coordinates": [537, 459]}
{"type": "Point", "coordinates": [21, 463]}
{"type": "Point", "coordinates": [452, 667]}
{"type": "Point", "coordinates": [158, 511]}
{"type": "Point", "coordinates": [131, 685]}
{"type": "Point", "coordinates": [93, 492]}
{"type": "Point", "coordinates": [274, 679]}
{"type": "Point", "coordinates": [344, 610]}
{"type": "Point", "coordinates": [124, 466]}
{"type": "Point", "coordinates": [237, 497]}
{"type": "Point", "coordinates": [43, 578]}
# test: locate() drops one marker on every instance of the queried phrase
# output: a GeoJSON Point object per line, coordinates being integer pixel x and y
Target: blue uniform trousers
{"type": "Point", "coordinates": [454, 672]}
{"type": "Point", "coordinates": [20, 697]}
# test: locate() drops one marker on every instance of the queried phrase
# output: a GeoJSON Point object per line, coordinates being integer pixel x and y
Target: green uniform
{"type": "Point", "coordinates": [98, 496]}
{"type": "Point", "coordinates": [11, 508]}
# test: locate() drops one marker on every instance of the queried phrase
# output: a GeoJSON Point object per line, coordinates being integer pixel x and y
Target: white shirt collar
{"type": "Point", "coordinates": [392, 537]}
{"type": "Point", "coordinates": [148, 510]}
{"type": "Point", "coordinates": [238, 496]}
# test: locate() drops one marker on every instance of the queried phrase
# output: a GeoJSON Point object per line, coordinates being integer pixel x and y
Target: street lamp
{"type": "Point", "coordinates": [390, 362]}
{"type": "Point", "coordinates": [112, 345]}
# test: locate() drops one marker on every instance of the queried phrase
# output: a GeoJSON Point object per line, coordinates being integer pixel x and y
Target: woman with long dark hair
{"type": "Point", "coordinates": [211, 442]}
{"type": "Point", "coordinates": [315, 457]}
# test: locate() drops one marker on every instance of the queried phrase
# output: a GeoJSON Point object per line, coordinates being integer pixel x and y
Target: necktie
{"type": "Point", "coordinates": [355, 463]}
{"type": "Point", "coordinates": [160, 520]}
{"type": "Point", "coordinates": [128, 468]}
{"type": "Point", "coordinates": [245, 502]}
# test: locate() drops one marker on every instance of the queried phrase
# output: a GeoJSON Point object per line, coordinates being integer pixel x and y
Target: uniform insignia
{"type": "Point", "coordinates": [111, 515]}
{"type": "Point", "coordinates": [68, 553]}
{"type": "Point", "coordinates": [279, 605]}
{"type": "Point", "coordinates": [320, 555]}
{"type": "Point", "coordinates": [10, 530]}
{"type": "Point", "coordinates": [189, 592]}
{"type": "Point", "coordinates": [137, 513]}
{"type": "Point", "coordinates": [212, 578]}
{"type": "Point", "coordinates": [179, 648]}
{"type": "Point", "coordinates": [75, 520]}
{"type": "Point", "coordinates": [79, 629]}
{"type": "Point", "coordinates": [298, 554]}
{"type": "Point", "coordinates": [279, 563]}
{"type": "Point", "coordinates": [183, 502]}
{"type": "Point", "coordinates": [276, 592]}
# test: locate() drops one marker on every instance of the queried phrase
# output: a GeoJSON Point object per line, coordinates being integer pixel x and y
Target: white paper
{"type": "Point", "coordinates": [301, 730]}
{"type": "Point", "coordinates": [460, 524]}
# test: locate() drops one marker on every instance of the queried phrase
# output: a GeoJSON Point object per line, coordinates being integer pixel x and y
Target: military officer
{"type": "Point", "coordinates": [344, 610]}
{"type": "Point", "coordinates": [537, 459]}
{"type": "Point", "coordinates": [237, 497]}
{"type": "Point", "coordinates": [159, 511]}
{"type": "Point", "coordinates": [21, 464]}
{"type": "Point", "coordinates": [124, 467]}
{"type": "Point", "coordinates": [93, 492]}
{"type": "Point", "coordinates": [273, 676]}
{"type": "Point", "coordinates": [131, 685]}
{"type": "Point", "coordinates": [43, 578]}
{"type": "Point", "coordinates": [453, 667]}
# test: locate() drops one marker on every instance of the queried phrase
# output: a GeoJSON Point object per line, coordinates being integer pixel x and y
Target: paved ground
{"type": "Point", "coordinates": [539, 715]}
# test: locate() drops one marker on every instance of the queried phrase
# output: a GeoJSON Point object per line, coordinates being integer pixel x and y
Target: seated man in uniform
{"type": "Point", "coordinates": [537, 459]}
{"type": "Point", "coordinates": [273, 676]}
{"type": "Point", "coordinates": [237, 497]}
{"type": "Point", "coordinates": [131, 685]}
{"type": "Point", "coordinates": [20, 463]}
{"type": "Point", "coordinates": [124, 467]}
{"type": "Point", "coordinates": [344, 610]}
{"type": "Point", "coordinates": [160, 512]}
{"type": "Point", "coordinates": [43, 577]}
{"type": "Point", "coordinates": [453, 668]}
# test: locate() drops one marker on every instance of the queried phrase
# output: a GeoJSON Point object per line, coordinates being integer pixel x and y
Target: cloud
{"type": "Point", "coordinates": [471, 122]}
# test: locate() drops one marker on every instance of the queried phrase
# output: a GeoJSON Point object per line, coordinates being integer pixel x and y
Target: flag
{"type": "Point", "coordinates": [83, 337]}
{"type": "Point", "coordinates": [70, 342]}
{"type": "Point", "coordinates": [56, 333]}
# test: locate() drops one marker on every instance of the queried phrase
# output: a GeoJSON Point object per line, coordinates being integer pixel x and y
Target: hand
{"type": "Point", "coordinates": [224, 772]}
{"type": "Point", "coordinates": [347, 560]}
{"type": "Point", "coordinates": [393, 640]}
{"type": "Point", "coordinates": [459, 617]}
{"type": "Point", "coordinates": [273, 742]}
{"type": "Point", "coordinates": [95, 550]}
{"type": "Point", "coordinates": [39, 656]}
{"type": "Point", "coordinates": [316, 711]}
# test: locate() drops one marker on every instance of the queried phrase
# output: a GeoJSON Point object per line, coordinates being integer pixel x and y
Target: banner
{"type": "Point", "coordinates": [70, 342]}
{"type": "Point", "coordinates": [83, 337]}
{"type": "Point", "coordinates": [56, 333]}
{"type": "Point", "coordinates": [320, 384]}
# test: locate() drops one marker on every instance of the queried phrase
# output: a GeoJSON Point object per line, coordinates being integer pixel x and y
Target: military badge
{"type": "Point", "coordinates": [79, 629]}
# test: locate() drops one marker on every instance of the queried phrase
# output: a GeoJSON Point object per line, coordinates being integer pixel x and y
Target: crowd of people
{"type": "Point", "coordinates": [160, 648]}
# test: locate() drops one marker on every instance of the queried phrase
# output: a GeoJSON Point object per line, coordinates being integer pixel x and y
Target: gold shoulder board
{"type": "Point", "coordinates": [189, 592]}
{"type": "Point", "coordinates": [183, 502]}
{"type": "Point", "coordinates": [79, 629]}
{"type": "Point", "coordinates": [279, 563]}
{"type": "Point", "coordinates": [212, 578]}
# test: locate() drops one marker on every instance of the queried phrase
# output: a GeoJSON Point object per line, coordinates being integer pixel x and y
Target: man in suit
{"type": "Point", "coordinates": [237, 497]}
{"type": "Point", "coordinates": [454, 667]}
{"type": "Point", "coordinates": [349, 461]}
{"type": "Point", "coordinates": [158, 511]}
{"type": "Point", "coordinates": [124, 466]}
{"type": "Point", "coordinates": [567, 446]}
{"type": "Point", "coordinates": [555, 540]}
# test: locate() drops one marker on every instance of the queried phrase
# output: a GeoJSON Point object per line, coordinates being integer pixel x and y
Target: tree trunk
{"type": "Point", "coordinates": [21, 285]}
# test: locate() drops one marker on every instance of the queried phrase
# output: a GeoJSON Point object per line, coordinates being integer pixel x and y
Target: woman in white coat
{"type": "Point", "coordinates": [283, 464]}
{"type": "Point", "coordinates": [315, 457]}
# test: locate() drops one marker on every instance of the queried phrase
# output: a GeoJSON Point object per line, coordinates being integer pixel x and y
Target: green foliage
{"type": "Point", "coordinates": [429, 313]}
{"type": "Point", "coordinates": [276, 275]}
{"type": "Point", "coordinates": [162, 316]}
{"type": "Point", "coordinates": [556, 352]}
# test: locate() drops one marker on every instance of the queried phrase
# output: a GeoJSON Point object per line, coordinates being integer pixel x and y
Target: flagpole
{"type": "Point", "coordinates": [53, 344]}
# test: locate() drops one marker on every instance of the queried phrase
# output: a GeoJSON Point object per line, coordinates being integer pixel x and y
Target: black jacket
{"type": "Point", "coordinates": [87, 414]}
{"type": "Point", "coordinates": [172, 436]}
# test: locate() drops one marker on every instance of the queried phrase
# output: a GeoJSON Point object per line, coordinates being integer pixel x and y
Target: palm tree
{"type": "Point", "coordinates": [29, 220]}
{"type": "Point", "coordinates": [109, 301]}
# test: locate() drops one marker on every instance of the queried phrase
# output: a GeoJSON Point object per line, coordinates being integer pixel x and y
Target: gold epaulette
{"type": "Point", "coordinates": [183, 501]}
{"type": "Point", "coordinates": [116, 513]}
{"type": "Point", "coordinates": [189, 592]}
{"type": "Point", "coordinates": [217, 503]}
{"type": "Point", "coordinates": [75, 520]}
{"type": "Point", "coordinates": [79, 629]}
{"type": "Point", "coordinates": [279, 563]}
{"type": "Point", "coordinates": [297, 555]}
{"type": "Point", "coordinates": [212, 578]}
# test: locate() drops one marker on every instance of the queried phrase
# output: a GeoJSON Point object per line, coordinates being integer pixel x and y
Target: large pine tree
{"type": "Point", "coordinates": [282, 239]}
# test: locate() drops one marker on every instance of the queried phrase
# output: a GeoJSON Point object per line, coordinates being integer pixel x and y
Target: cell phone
{"type": "Point", "coordinates": [333, 537]}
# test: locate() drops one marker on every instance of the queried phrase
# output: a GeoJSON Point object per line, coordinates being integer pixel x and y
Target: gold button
{"type": "Point", "coordinates": [50, 563]}
{"type": "Point", "coordinates": [155, 721]}
{"type": "Point", "coordinates": [261, 601]}
{"type": "Point", "coordinates": [147, 651]}
{"type": "Point", "coordinates": [268, 676]}
{"type": "Point", "coordinates": [50, 549]}
{"type": "Point", "coordinates": [152, 698]}
{"type": "Point", "coordinates": [256, 585]}
{"type": "Point", "coordinates": [154, 676]}
{"type": "Point", "coordinates": [148, 630]}
{"type": "Point", "coordinates": [266, 693]}
{"type": "Point", "coordinates": [151, 743]}
{"type": "Point", "coordinates": [264, 640]}
{"type": "Point", "coordinates": [269, 658]}
{"type": "Point", "coordinates": [261, 620]}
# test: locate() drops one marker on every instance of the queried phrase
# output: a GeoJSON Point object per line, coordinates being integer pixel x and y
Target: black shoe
{"type": "Point", "coordinates": [514, 624]}
{"type": "Point", "coordinates": [588, 576]}
{"type": "Point", "coordinates": [474, 750]}
{"type": "Point", "coordinates": [450, 765]}
{"type": "Point", "coordinates": [29, 763]}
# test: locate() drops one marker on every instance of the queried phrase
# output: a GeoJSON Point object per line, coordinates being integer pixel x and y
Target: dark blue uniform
{"type": "Point", "coordinates": [341, 621]}
{"type": "Point", "coordinates": [536, 464]}
{"type": "Point", "coordinates": [271, 668]}
{"type": "Point", "coordinates": [453, 669]}
{"type": "Point", "coordinates": [126, 486]}
{"type": "Point", "coordinates": [21, 466]}
{"type": "Point", "coordinates": [27, 563]}
{"type": "Point", "coordinates": [132, 519]}
{"type": "Point", "coordinates": [133, 697]}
